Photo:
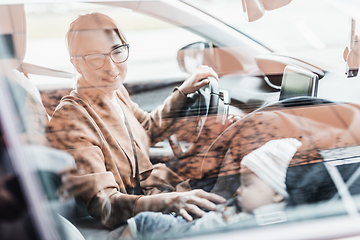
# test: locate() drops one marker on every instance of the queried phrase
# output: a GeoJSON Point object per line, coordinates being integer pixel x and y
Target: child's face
{"type": "Point", "coordinates": [254, 192]}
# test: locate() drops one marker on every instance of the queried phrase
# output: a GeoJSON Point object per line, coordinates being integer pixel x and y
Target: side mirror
{"type": "Point", "coordinates": [203, 53]}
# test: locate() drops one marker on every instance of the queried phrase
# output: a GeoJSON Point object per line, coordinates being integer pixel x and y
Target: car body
{"type": "Point", "coordinates": [169, 39]}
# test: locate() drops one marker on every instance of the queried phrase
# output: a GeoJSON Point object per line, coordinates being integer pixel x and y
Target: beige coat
{"type": "Point", "coordinates": [87, 125]}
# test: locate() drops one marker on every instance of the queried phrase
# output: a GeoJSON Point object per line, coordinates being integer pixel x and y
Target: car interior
{"type": "Point", "coordinates": [292, 107]}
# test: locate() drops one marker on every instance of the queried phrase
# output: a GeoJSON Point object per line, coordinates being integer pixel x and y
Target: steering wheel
{"type": "Point", "coordinates": [204, 102]}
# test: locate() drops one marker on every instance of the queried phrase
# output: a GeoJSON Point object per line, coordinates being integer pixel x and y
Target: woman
{"type": "Point", "coordinates": [110, 136]}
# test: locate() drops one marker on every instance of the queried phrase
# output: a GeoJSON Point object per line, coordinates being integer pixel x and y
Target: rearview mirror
{"type": "Point", "coordinates": [255, 9]}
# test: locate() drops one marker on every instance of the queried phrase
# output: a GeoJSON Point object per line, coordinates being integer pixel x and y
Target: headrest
{"type": "Point", "coordinates": [12, 34]}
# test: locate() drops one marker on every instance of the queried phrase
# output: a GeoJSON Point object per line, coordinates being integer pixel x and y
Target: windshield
{"type": "Point", "coordinates": [303, 28]}
{"type": "Point", "coordinates": [153, 120]}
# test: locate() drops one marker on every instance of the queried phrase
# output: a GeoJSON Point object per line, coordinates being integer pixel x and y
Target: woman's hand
{"type": "Point", "coordinates": [198, 79]}
{"type": "Point", "coordinates": [182, 203]}
{"type": "Point", "coordinates": [186, 203]}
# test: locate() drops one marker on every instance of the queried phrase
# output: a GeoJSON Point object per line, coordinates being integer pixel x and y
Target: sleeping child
{"type": "Point", "coordinates": [262, 192]}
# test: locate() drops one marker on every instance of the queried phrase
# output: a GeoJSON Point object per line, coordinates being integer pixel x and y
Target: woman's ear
{"type": "Point", "coordinates": [75, 63]}
{"type": "Point", "coordinates": [278, 198]}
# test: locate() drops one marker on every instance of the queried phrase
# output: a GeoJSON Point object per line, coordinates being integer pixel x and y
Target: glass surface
{"type": "Point", "coordinates": [306, 191]}
{"type": "Point", "coordinates": [307, 32]}
{"type": "Point", "coordinates": [143, 32]}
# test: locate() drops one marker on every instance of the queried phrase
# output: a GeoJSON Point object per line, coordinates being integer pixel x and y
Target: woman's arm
{"type": "Point", "coordinates": [198, 79]}
{"type": "Point", "coordinates": [72, 130]}
{"type": "Point", "coordinates": [158, 121]}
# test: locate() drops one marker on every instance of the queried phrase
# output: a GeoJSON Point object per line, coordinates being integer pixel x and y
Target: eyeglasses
{"type": "Point", "coordinates": [97, 60]}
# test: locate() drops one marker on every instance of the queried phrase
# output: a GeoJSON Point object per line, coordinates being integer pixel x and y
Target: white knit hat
{"type": "Point", "coordinates": [270, 162]}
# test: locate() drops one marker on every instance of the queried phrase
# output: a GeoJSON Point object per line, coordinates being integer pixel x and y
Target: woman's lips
{"type": "Point", "coordinates": [112, 79]}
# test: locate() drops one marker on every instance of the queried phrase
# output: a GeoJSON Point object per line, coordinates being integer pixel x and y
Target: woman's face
{"type": "Point", "coordinates": [109, 77]}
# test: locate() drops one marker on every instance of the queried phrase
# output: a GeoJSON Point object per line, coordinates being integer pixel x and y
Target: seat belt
{"type": "Point", "coordinates": [137, 190]}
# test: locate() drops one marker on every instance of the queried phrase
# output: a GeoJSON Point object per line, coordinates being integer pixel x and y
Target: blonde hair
{"type": "Point", "coordinates": [89, 22]}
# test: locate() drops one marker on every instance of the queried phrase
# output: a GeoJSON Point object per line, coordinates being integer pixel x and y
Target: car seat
{"type": "Point", "coordinates": [319, 124]}
{"type": "Point", "coordinates": [48, 162]}
{"type": "Point", "coordinates": [13, 34]}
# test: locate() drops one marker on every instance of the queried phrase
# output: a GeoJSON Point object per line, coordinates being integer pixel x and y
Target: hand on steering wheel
{"type": "Point", "coordinates": [203, 103]}
{"type": "Point", "coordinates": [198, 79]}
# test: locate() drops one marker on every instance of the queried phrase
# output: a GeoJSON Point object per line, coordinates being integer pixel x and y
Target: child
{"type": "Point", "coordinates": [262, 191]}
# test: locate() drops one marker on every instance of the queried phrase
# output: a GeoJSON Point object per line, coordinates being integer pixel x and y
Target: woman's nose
{"type": "Point", "coordinates": [109, 63]}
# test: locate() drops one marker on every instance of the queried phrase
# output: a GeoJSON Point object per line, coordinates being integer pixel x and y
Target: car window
{"type": "Point", "coordinates": [288, 168]}
{"type": "Point", "coordinates": [298, 29]}
{"type": "Point", "coordinates": [153, 45]}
